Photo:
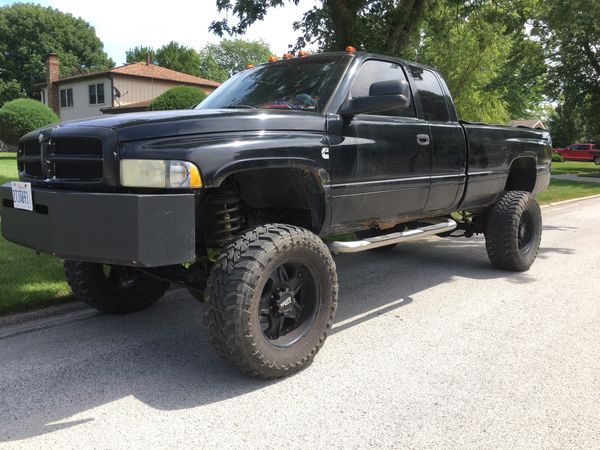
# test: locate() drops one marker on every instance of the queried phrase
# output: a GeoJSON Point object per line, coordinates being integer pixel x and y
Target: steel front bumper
{"type": "Point", "coordinates": [126, 229]}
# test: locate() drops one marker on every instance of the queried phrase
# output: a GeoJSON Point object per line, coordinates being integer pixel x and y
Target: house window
{"type": "Point", "coordinates": [66, 98]}
{"type": "Point", "coordinates": [96, 93]}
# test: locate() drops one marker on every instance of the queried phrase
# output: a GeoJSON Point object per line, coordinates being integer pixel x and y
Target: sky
{"type": "Point", "coordinates": [123, 24]}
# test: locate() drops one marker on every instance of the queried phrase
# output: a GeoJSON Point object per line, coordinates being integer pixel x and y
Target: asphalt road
{"type": "Point", "coordinates": [432, 348]}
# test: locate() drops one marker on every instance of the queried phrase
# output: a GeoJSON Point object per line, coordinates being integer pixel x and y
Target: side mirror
{"type": "Point", "coordinates": [383, 96]}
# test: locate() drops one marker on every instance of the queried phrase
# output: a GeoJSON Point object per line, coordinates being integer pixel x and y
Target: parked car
{"type": "Point", "coordinates": [580, 152]}
{"type": "Point", "coordinates": [238, 199]}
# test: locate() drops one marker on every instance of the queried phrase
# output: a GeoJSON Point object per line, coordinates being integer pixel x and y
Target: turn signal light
{"type": "Point", "coordinates": [350, 49]}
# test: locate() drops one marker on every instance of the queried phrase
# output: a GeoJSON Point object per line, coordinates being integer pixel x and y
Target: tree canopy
{"type": "Point", "coordinates": [220, 61]}
{"type": "Point", "coordinates": [570, 32]}
{"type": "Point", "coordinates": [173, 56]}
{"type": "Point", "coordinates": [29, 32]}
{"type": "Point", "coordinates": [384, 26]}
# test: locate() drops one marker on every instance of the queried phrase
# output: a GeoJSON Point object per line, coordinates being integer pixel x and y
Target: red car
{"type": "Point", "coordinates": [580, 152]}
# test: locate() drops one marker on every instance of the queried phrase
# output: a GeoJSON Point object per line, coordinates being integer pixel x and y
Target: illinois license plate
{"type": "Point", "coordinates": [21, 193]}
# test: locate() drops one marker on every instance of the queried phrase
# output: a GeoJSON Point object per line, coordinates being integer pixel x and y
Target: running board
{"type": "Point", "coordinates": [393, 238]}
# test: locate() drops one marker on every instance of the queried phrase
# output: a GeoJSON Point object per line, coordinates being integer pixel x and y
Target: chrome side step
{"type": "Point", "coordinates": [442, 226]}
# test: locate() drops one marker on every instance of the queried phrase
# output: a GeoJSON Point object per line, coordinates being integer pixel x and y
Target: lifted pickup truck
{"type": "Point", "coordinates": [236, 199]}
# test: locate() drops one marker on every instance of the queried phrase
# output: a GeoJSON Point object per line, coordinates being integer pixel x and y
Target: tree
{"type": "Point", "coordinates": [140, 53]}
{"type": "Point", "coordinates": [570, 32]}
{"type": "Point", "coordinates": [178, 57]}
{"type": "Point", "coordinates": [172, 56]}
{"type": "Point", "coordinates": [495, 71]}
{"type": "Point", "coordinates": [384, 26]}
{"type": "Point", "coordinates": [28, 32]}
{"type": "Point", "coordinates": [10, 90]}
{"type": "Point", "coordinates": [220, 61]}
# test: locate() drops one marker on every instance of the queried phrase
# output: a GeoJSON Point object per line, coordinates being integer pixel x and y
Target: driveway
{"type": "Point", "coordinates": [432, 347]}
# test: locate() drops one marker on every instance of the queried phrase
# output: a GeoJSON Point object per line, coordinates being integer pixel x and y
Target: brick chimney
{"type": "Point", "coordinates": [52, 76]}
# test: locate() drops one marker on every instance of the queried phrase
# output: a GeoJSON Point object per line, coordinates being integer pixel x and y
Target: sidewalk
{"type": "Point", "coordinates": [573, 177]}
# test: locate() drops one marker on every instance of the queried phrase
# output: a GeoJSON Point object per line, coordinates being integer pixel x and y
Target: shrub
{"type": "Point", "coordinates": [557, 157]}
{"type": "Point", "coordinates": [178, 97]}
{"type": "Point", "coordinates": [20, 116]}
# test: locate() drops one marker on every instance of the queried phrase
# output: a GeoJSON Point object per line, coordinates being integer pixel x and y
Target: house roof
{"type": "Point", "coordinates": [530, 123]}
{"type": "Point", "coordinates": [145, 70]}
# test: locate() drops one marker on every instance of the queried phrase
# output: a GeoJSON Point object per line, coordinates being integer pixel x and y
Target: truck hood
{"type": "Point", "coordinates": [148, 125]}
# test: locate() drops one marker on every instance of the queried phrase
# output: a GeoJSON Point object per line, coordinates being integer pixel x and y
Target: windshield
{"type": "Point", "coordinates": [303, 84]}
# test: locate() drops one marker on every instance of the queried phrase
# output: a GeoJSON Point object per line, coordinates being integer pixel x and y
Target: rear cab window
{"type": "Point", "coordinates": [431, 95]}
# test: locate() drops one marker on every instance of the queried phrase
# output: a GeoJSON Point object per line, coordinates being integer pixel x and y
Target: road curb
{"type": "Point", "coordinates": [73, 309]}
{"type": "Point", "coordinates": [571, 200]}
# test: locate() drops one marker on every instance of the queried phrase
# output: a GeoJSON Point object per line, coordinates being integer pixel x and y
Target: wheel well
{"type": "Point", "coordinates": [522, 175]}
{"type": "Point", "coordinates": [293, 196]}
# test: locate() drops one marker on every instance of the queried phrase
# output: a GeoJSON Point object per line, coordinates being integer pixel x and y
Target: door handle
{"type": "Point", "coordinates": [423, 139]}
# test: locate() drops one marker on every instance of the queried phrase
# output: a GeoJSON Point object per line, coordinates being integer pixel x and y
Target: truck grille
{"type": "Point", "coordinates": [63, 158]}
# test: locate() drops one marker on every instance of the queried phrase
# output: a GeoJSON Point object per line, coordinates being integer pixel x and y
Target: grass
{"type": "Point", "coordinates": [27, 281]}
{"type": "Point", "coordinates": [575, 168]}
{"type": "Point", "coordinates": [565, 190]}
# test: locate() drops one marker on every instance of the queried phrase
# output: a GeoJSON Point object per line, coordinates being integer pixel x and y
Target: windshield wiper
{"type": "Point", "coordinates": [239, 107]}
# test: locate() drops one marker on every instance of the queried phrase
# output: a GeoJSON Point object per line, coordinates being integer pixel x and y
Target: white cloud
{"type": "Point", "coordinates": [122, 24]}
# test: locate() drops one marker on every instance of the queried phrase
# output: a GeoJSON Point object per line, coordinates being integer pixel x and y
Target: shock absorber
{"type": "Point", "coordinates": [224, 217]}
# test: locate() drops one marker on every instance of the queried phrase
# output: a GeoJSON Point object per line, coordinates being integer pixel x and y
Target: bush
{"type": "Point", "coordinates": [179, 97]}
{"type": "Point", "coordinates": [557, 157]}
{"type": "Point", "coordinates": [20, 116]}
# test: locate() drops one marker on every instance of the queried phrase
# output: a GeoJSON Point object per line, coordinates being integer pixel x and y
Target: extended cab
{"type": "Point", "coordinates": [236, 199]}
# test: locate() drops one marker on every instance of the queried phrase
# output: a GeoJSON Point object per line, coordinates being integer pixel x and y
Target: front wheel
{"type": "Point", "coordinates": [514, 231]}
{"type": "Point", "coordinates": [112, 289]}
{"type": "Point", "coordinates": [271, 299]}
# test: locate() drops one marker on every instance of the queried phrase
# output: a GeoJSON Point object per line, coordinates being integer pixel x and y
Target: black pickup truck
{"type": "Point", "coordinates": [237, 199]}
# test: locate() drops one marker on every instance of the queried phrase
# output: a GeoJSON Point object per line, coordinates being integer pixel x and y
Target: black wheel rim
{"type": "Point", "coordinates": [289, 304]}
{"type": "Point", "coordinates": [120, 277]}
{"type": "Point", "coordinates": [526, 232]}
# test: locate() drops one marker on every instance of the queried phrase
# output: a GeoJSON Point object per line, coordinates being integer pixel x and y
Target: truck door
{"type": "Point", "coordinates": [448, 153]}
{"type": "Point", "coordinates": [381, 172]}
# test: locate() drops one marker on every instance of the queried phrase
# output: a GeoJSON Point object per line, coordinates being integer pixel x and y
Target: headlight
{"type": "Point", "coordinates": [154, 173]}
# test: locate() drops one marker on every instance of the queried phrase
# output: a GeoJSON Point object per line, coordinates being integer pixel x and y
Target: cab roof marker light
{"type": "Point", "coordinates": [350, 49]}
{"type": "Point", "coordinates": [302, 53]}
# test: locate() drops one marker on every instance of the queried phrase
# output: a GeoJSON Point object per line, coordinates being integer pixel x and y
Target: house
{"type": "Point", "coordinates": [530, 123]}
{"type": "Point", "coordinates": [126, 88]}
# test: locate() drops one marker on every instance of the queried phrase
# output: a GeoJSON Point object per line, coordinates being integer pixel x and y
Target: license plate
{"type": "Point", "coordinates": [21, 193]}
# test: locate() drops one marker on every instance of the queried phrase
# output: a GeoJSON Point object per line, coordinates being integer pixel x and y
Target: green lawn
{"type": "Point", "coordinates": [26, 280]}
{"type": "Point", "coordinates": [575, 168]}
{"type": "Point", "coordinates": [565, 190]}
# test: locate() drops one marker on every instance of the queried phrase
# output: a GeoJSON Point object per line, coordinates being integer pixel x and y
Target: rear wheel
{"type": "Point", "coordinates": [271, 299]}
{"type": "Point", "coordinates": [514, 231]}
{"type": "Point", "coordinates": [597, 160]}
{"type": "Point", "coordinates": [112, 289]}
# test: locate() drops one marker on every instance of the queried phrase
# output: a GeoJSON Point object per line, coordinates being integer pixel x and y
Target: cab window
{"type": "Point", "coordinates": [431, 95]}
{"type": "Point", "coordinates": [373, 71]}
